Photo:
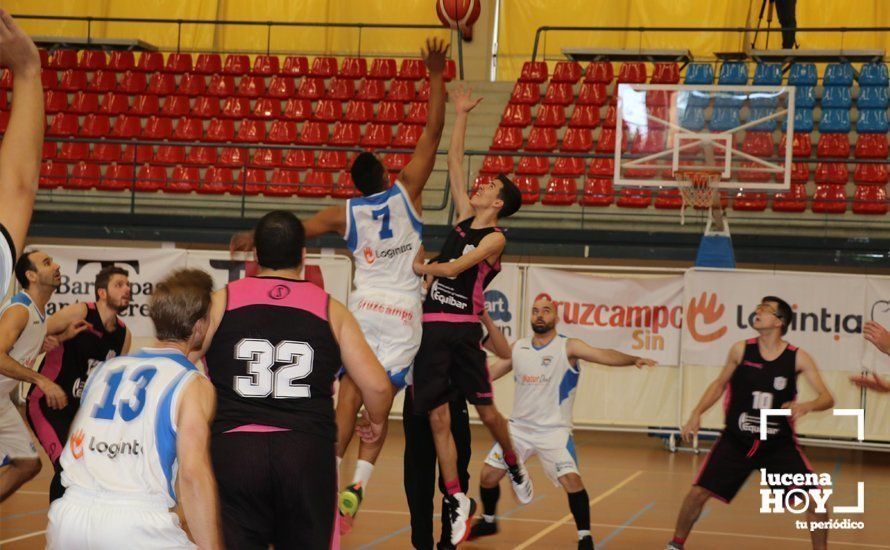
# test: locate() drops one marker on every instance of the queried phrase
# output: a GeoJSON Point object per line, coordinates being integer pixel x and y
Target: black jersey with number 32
{"type": "Point", "coordinates": [760, 384]}
{"type": "Point", "coordinates": [273, 358]}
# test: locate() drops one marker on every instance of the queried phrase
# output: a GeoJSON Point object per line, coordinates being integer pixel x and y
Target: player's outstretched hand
{"type": "Point", "coordinates": [50, 343]}
{"type": "Point", "coordinates": [368, 431]}
{"type": "Point", "coordinates": [55, 395]}
{"type": "Point", "coordinates": [433, 55]}
{"type": "Point", "coordinates": [797, 409]}
{"type": "Point", "coordinates": [643, 362]}
{"type": "Point", "coordinates": [871, 382]}
{"type": "Point", "coordinates": [690, 428]}
{"type": "Point", "coordinates": [877, 335]}
{"type": "Point", "coordinates": [74, 329]}
{"type": "Point", "coordinates": [461, 96]}
{"type": "Point", "coordinates": [17, 50]}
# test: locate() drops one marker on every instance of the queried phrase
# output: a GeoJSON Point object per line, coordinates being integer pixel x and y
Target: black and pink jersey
{"type": "Point", "coordinates": [760, 384]}
{"type": "Point", "coordinates": [461, 299]}
{"type": "Point", "coordinates": [273, 358]}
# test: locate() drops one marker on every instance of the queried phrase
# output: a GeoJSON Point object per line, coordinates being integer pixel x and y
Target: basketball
{"type": "Point", "coordinates": [454, 13]}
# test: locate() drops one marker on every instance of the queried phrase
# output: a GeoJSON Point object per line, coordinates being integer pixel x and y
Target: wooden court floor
{"type": "Point", "coordinates": [635, 487]}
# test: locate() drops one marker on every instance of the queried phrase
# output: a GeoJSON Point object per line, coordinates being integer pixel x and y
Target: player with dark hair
{"type": "Point", "coordinates": [760, 373]}
{"type": "Point", "coordinates": [274, 347]}
{"type": "Point", "coordinates": [449, 350]}
{"type": "Point", "coordinates": [98, 334]}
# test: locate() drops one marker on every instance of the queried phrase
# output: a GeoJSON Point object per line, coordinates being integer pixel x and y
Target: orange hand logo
{"type": "Point", "coordinates": [77, 444]}
{"type": "Point", "coordinates": [710, 313]}
{"type": "Point", "coordinates": [369, 255]}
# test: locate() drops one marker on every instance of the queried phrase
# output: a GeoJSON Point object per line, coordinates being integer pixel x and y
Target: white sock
{"type": "Point", "coordinates": [488, 519]}
{"type": "Point", "coordinates": [363, 470]}
{"type": "Point", "coordinates": [582, 534]}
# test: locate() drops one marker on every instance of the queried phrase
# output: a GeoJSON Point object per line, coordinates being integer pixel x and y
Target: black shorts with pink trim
{"type": "Point", "coordinates": [450, 356]}
{"type": "Point", "coordinates": [730, 462]}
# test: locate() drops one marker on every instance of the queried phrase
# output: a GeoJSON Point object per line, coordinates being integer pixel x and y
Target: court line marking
{"type": "Point", "coordinates": [544, 532]}
{"type": "Point", "coordinates": [23, 537]}
{"type": "Point", "coordinates": [20, 492]}
{"type": "Point", "coordinates": [24, 514]}
{"type": "Point", "coordinates": [602, 543]}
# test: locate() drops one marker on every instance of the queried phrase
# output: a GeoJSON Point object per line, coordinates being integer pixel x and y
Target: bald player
{"type": "Point", "coordinates": [545, 372]}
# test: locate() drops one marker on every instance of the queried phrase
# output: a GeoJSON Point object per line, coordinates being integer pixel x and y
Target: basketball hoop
{"type": "Point", "coordinates": [698, 188]}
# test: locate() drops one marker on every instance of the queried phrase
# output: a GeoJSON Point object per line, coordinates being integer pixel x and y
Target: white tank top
{"type": "Point", "coordinates": [123, 439]}
{"type": "Point", "coordinates": [384, 232]}
{"type": "Point", "coordinates": [30, 342]}
{"type": "Point", "coordinates": [7, 262]}
{"type": "Point", "coordinates": [545, 383]}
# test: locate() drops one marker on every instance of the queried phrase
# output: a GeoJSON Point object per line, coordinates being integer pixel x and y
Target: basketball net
{"type": "Point", "coordinates": [698, 188]}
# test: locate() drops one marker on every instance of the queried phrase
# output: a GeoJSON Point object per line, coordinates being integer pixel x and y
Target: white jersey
{"type": "Point", "coordinates": [545, 384]}
{"type": "Point", "coordinates": [30, 342]}
{"type": "Point", "coordinates": [7, 262]}
{"type": "Point", "coordinates": [384, 232]}
{"type": "Point", "coordinates": [123, 439]}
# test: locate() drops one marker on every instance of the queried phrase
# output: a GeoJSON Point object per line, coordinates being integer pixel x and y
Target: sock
{"type": "Point", "coordinates": [510, 458]}
{"type": "Point", "coordinates": [453, 487]}
{"type": "Point", "coordinates": [363, 470]}
{"type": "Point", "coordinates": [489, 498]}
{"type": "Point", "coordinates": [487, 518]}
{"type": "Point", "coordinates": [579, 504]}
{"type": "Point", "coordinates": [583, 533]}
{"type": "Point", "coordinates": [679, 540]}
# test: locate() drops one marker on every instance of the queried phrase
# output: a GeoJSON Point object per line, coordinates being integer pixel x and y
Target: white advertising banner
{"type": "Point", "coordinates": [638, 315]}
{"type": "Point", "coordinates": [827, 320]}
{"type": "Point", "coordinates": [877, 308]}
{"type": "Point", "coordinates": [502, 300]}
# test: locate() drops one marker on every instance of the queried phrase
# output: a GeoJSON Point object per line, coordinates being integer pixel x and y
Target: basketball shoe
{"type": "Point", "coordinates": [522, 484]}
{"type": "Point", "coordinates": [460, 514]}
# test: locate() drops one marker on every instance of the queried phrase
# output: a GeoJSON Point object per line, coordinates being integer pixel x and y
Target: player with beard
{"type": "Point", "coordinates": [545, 372]}
{"type": "Point", "coordinates": [99, 335]}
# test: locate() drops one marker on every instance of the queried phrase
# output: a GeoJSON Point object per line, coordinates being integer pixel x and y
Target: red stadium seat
{"type": "Point", "coordinates": [450, 70]}
{"type": "Point", "coordinates": [359, 111]}
{"type": "Point", "coordinates": [63, 59]}
{"type": "Point", "coordinates": [417, 113]}
{"type": "Point", "coordinates": [250, 181]}
{"type": "Point", "coordinates": [658, 98]}
{"type": "Point", "coordinates": [49, 150]}
{"type": "Point", "coordinates": [344, 188]}
{"type": "Point", "coordinates": [236, 65]}
{"type": "Point", "coordinates": [758, 144]}
{"type": "Point", "coordinates": [831, 173]}
{"type": "Point", "coordinates": [526, 93]}
{"type": "Point", "coordinates": [311, 88]}
{"type": "Point", "coordinates": [63, 125]}
{"type": "Point", "coordinates": [801, 146]}
{"type": "Point", "coordinates": [328, 110]}
{"type": "Point", "coordinates": [412, 69]}
{"type": "Point", "coordinates": [184, 179]}
{"type": "Point", "coordinates": [191, 85]}
{"type": "Point", "coordinates": [170, 155]}
{"type": "Point", "coordinates": [232, 157]}
{"type": "Point", "coordinates": [267, 108]}
{"type": "Point", "coordinates": [407, 136]}
{"type": "Point", "coordinates": [73, 80]}
{"type": "Point", "coordinates": [52, 174]}
{"type": "Point", "coordinates": [602, 167]}
{"type": "Point", "coordinates": [653, 141]}
{"type": "Point", "coordinates": [179, 63]}
{"type": "Point", "coordinates": [599, 72]}
{"type": "Point", "coordinates": [6, 79]}
{"type": "Point", "coordinates": [341, 89]}
{"type": "Point", "coordinates": [54, 101]}
{"type": "Point", "coordinates": [217, 180]}
{"type": "Point", "coordinates": [150, 62]}
{"type": "Point", "coordinates": [793, 200]}
{"type": "Point", "coordinates": [560, 192]}
{"type": "Point", "coordinates": [175, 106]}
{"type": "Point", "coordinates": [529, 187]}
{"type": "Point", "coordinates": [84, 103]}
{"type": "Point", "coordinates": [871, 173]}
{"type": "Point", "coordinates": [353, 68]}
{"type": "Point", "coordinates": [323, 67]}
{"type": "Point", "coordinates": [507, 139]}
{"type": "Point", "coordinates": [48, 77]}
{"type": "Point", "coordinates": [606, 143]}
{"type": "Point", "coordinates": [126, 127]}
{"type": "Point", "coordinates": [829, 198]}
{"type": "Point", "coordinates": [84, 175]}
{"type": "Point", "coordinates": [220, 130]}
{"type": "Point", "coordinates": [202, 156]}
{"type": "Point", "coordinates": [161, 84]}
{"type": "Point", "coordinates": [534, 71]}
{"type": "Point", "coordinates": [541, 139]}
{"type": "Point", "coordinates": [251, 131]}
{"type": "Point", "coordinates": [753, 176]}
{"type": "Point", "coordinates": [221, 85]}
{"type": "Point", "coordinates": [121, 61]}
{"type": "Point", "coordinates": [332, 160]}
{"type": "Point", "coordinates": [157, 128]}
{"type": "Point", "coordinates": [118, 177]}
{"type": "Point", "coordinates": [517, 114]}
{"type": "Point", "coordinates": [871, 146]}
{"type": "Point", "coordinates": [206, 107]}
{"type": "Point", "coordinates": [382, 69]}
{"type": "Point", "coordinates": [634, 197]}
{"type": "Point", "coordinates": [299, 159]}
{"type": "Point", "coordinates": [749, 201]}
{"type": "Point", "coordinates": [132, 82]}
{"type": "Point", "coordinates": [102, 82]}
{"type": "Point", "coordinates": [295, 65]}
{"type": "Point", "coordinates": [533, 166]}
{"type": "Point", "coordinates": [390, 112]}
{"type": "Point", "coordinates": [611, 119]}
{"type": "Point", "coordinates": [593, 93]}
{"type": "Point", "coordinates": [568, 167]}
{"type": "Point", "coordinates": [371, 90]}
{"type": "Point", "coordinates": [550, 116]}
{"type": "Point", "coordinates": [497, 164]}
{"type": "Point", "coordinates": [567, 71]}
{"type": "Point", "coordinates": [585, 116]}
{"type": "Point", "coordinates": [106, 152]}
{"type": "Point", "coordinates": [377, 136]}
{"type": "Point", "coordinates": [666, 73]}
{"type": "Point", "coordinates": [577, 140]}
{"type": "Point", "coordinates": [314, 133]}
{"type": "Point", "coordinates": [265, 65]}
{"type": "Point", "coordinates": [401, 90]}
{"type": "Point", "coordinates": [597, 192]}
{"type": "Point", "coordinates": [281, 87]}
{"type": "Point", "coordinates": [833, 145]}
{"type": "Point", "coordinates": [208, 63]}
{"type": "Point", "coordinates": [145, 105]}
{"type": "Point", "coordinates": [316, 184]}
{"type": "Point", "coordinates": [668, 198]}
{"type": "Point", "coordinates": [346, 134]}
{"type": "Point", "coordinates": [235, 107]}
{"type": "Point", "coordinates": [251, 86]}
{"type": "Point", "coordinates": [634, 72]}
{"type": "Point", "coordinates": [283, 131]}
{"type": "Point", "coordinates": [284, 183]}
{"type": "Point", "coordinates": [559, 94]}
{"type": "Point", "coordinates": [73, 151]}
{"type": "Point", "coordinates": [870, 200]}
{"type": "Point", "coordinates": [95, 126]}
{"type": "Point", "coordinates": [150, 178]}
{"type": "Point", "coordinates": [44, 57]}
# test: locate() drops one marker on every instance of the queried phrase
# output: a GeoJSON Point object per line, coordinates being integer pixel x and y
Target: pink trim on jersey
{"type": "Point", "coordinates": [751, 341]}
{"type": "Point", "coordinates": [791, 347]}
{"type": "Point", "coordinates": [753, 450]}
{"type": "Point", "coordinates": [278, 292]}
{"type": "Point", "coordinates": [478, 291]}
{"type": "Point", "coordinates": [727, 398]}
{"type": "Point", "coordinates": [256, 428]}
{"type": "Point", "coordinates": [803, 456]}
{"type": "Point", "coordinates": [44, 431]}
{"type": "Point", "coordinates": [450, 318]}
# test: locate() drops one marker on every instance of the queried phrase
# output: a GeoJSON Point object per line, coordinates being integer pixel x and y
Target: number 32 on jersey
{"type": "Point", "coordinates": [262, 356]}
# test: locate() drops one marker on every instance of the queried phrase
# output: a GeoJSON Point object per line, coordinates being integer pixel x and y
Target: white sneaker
{"type": "Point", "coordinates": [522, 484]}
{"type": "Point", "coordinates": [461, 512]}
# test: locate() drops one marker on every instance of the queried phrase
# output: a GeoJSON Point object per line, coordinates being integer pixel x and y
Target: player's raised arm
{"type": "Point", "coordinates": [416, 173]}
{"type": "Point", "coordinates": [197, 486]}
{"type": "Point", "coordinates": [457, 182]}
{"type": "Point", "coordinates": [362, 366]}
{"type": "Point", "coordinates": [491, 246]}
{"type": "Point", "coordinates": [69, 315]}
{"type": "Point", "coordinates": [496, 342]}
{"type": "Point", "coordinates": [21, 149]}
{"type": "Point", "coordinates": [824, 400]}
{"type": "Point", "coordinates": [578, 349]}
{"type": "Point", "coordinates": [12, 323]}
{"type": "Point", "coordinates": [499, 368]}
{"type": "Point", "coordinates": [327, 220]}
{"type": "Point", "coordinates": [714, 390]}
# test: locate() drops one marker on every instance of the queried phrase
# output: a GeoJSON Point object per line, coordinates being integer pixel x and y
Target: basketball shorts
{"type": "Point", "coordinates": [392, 326]}
{"type": "Point", "coordinates": [7, 262]}
{"type": "Point", "coordinates": [15, 439]}
{"type": "Point", "coordinates": [277, 488]}
{"type": "Point", "coordinates": [555, 449]}
{"type": "Point", "coordinates": [88, 520]}
{"type": "Point", "coordinates": [730, 461]}
{"type": "Point", "coordinates": [51, 426]}
{"type": "Point", "coordinates": [451, 356]}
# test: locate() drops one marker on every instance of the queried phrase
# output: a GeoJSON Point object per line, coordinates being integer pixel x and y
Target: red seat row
{"type": "Point", "coordinates": [599, 72]}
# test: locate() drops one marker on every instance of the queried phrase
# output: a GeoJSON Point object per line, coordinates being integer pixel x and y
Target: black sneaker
{"type": "Point", "coordinates": [482, 528]}
{"type": "Point", "coordinates": [585, 543]}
